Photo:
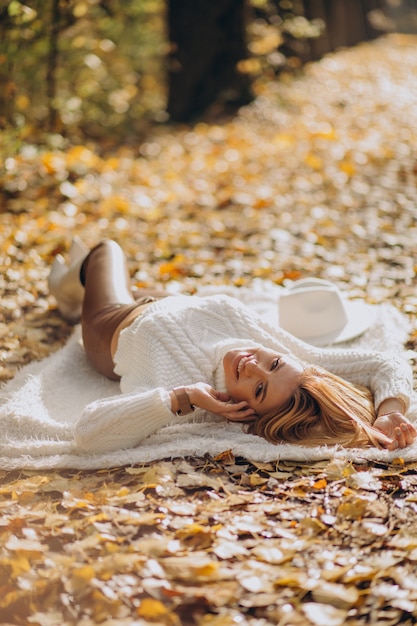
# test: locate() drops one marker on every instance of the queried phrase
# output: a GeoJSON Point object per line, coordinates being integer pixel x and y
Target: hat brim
{"type": "Point", "coordinates": [360, 317]}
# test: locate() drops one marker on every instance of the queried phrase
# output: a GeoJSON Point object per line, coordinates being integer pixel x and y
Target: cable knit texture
{"type": "Point", "coordinates": [181, 340]}
{"type": "Point", "coordinates": [60, 413]}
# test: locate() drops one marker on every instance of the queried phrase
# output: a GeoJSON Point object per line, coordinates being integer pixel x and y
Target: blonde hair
{"type": "Point", "coordinates": [324, 409]}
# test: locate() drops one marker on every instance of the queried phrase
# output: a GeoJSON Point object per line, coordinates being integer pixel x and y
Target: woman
{"type": "Point", "coordinates": [176, 356]}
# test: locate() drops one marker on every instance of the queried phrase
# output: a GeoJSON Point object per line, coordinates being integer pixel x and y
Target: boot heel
{"type": "Point", "coordinates": [77, 250]}
{"type": "Point", "coordinates": [65, 285]}
{"type": "Point", "coordinates": [58, 270]}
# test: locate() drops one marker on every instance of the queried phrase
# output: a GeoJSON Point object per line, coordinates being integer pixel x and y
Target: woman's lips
{"type": "Point", "coordinates": [239, 363]}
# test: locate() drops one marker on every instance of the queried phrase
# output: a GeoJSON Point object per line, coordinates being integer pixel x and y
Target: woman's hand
{"type": "Point", "coordinates": [398, 428]}
{"type": "Point", "coordinates": [206, 397]}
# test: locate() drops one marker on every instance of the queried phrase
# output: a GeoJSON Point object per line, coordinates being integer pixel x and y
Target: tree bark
{"type": "Point", "coordinates": [52, 62]}
{"type": "Point", "coordinates": [7, 85]}
{"type": "Point", "coordinates": [347, 23]}
{"type": "Point", "coordinates": [208, 39]}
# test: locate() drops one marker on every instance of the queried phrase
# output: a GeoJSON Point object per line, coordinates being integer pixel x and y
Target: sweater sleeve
{"type": "Point", "coordinates": [122, 421]}
{"type": "Point", "coordinates": [386, 374]}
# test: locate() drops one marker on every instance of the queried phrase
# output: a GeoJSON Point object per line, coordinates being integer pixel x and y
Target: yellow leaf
{"type": "Point", "coordinates": [313, 161]}
{"type": "Point", "coordinates": [80, 577]}
{"type": "Point", "coordinates": [111, 163]}
{"type": "Point", "coordinates": [255, 480]}
{"type": "Point", "coordinates": [320, 484]}
{"type": "Point", "coordinates": [12, 568]}
{"type": "Point", "coordinates": [151, 609]}
{"type": "Point", "coordinates": [312, 525]}
{"type": "Point", "coordinates": [329, 134]}
{"type": "Point", "coordinates": [172, 269]}
{"type": "Point", "coordinates": [291, 274]}
{"type": "Point", "coordinates": [240, 282]}
{"type": "Point", "coordinates": [81, 155]}
{"type": "Point", "coordinates": [293, 578]}
{"type": "Point", "coordinates": [354, 508]}
{"type": "Point", "coordinates": [19, 564]}
{"type": "Point", "coordinates": [348, 168]}
{"type": "Point", "coordinates": [262, 203]}
{"type": "Point", "coordinates": [12, 597]}
{"type": "Point", "coordinates": [227, 457]}
{"type": "Point", "coordinates": [115, 204]}
{"type": "Point", "coordinates": [51, 162]}
{"type": "Point", "coordinates": [208, 570]}
{"type": "Point", "coordinates": [249, 66]}
{"type": "Point", "coordinates": [102, 605]}
{"type": "Point", "coordinates": [284, 140]}
{"type": "Point", "coordinates": [196, 536]}
{"type": "Point", "coordinates": [22, 102]}
{"type": "Point", "coordinates": [80, 9]}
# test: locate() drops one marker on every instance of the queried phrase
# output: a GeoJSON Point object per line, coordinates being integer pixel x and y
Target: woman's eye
{"type": "Point", "coordinates": [274, 365]}
{"type": "Point", "coordinates": [258, 390]}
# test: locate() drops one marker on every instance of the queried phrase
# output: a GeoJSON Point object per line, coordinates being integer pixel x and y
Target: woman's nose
{"type": "Point", "coordinates": [251, 367]}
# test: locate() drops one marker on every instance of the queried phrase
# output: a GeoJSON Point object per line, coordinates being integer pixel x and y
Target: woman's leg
{"type": "Point", "coordinates": [96, 286]}
{"type": "Point", "coordinates": [108, 300]}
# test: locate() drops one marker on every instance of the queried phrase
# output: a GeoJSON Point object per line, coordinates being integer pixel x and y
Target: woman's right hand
{"type": "Point", "coordinates": [205, 397]}
{"type": "Point", "coordinates": [397, 428]}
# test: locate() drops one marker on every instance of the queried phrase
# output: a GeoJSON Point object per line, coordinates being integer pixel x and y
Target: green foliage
{"type": "Point", "coordinates": [96, 68]}
{"type": "Point", "coordinates": [89, 65]}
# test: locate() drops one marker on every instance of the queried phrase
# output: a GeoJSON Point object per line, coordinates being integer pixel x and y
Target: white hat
{"type": "Point", "coordinates": [315, 311]}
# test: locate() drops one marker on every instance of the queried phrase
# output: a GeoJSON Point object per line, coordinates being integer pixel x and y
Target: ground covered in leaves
{"type": "Point", "coordinates": [317, 177]}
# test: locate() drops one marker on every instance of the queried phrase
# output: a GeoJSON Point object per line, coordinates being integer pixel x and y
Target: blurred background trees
{"type": "Point", "coordinates": [108, 68]}
{"type": "Point", "coordinates": [80, 65]}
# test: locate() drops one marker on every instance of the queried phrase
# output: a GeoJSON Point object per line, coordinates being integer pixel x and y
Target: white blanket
{"type": "Point", "coordinates": [39, 407]}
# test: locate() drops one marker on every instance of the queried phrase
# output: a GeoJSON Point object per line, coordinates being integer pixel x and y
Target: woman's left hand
{"type": "Point", "coordinates": [398, 428]}
{"type": "Point", "coordinates": [206, 397]}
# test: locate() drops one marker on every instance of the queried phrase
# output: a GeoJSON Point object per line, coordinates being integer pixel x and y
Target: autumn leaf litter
{"type": "Point", "coordinates": [317, 177]}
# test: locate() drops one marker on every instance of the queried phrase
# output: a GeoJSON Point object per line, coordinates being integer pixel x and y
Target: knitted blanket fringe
{"type": "Point", "coordinates": [39, 407]}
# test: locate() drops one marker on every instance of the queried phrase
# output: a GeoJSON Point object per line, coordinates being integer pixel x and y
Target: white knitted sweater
{"type": "Point", "coordinates": [181, 340]}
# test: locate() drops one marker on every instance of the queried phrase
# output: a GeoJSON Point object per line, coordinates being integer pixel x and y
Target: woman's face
{"type": "Point", "coordinates": [265, 379]}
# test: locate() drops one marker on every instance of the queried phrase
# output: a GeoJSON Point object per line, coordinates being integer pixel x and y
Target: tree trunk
{"type": "Point", "coordinates": [7, 85]}
{"type": "Point", "coordinates": [347, 23]}
{"type": "Point", "coordinates": [52, 62]}
{"type": "Point", "coordinates": [208, 39]}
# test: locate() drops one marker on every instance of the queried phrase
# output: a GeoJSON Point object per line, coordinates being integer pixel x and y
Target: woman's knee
{"type": "Point", "coordinates": [104, 259]}
{"type": "Point", "coordinates": [107, 248]}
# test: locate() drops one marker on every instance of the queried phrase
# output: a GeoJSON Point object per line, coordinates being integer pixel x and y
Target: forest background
{"type": "Point", "coordinates": [106, 69]}
{"type": "Point", "coordinates": [314, 175]}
